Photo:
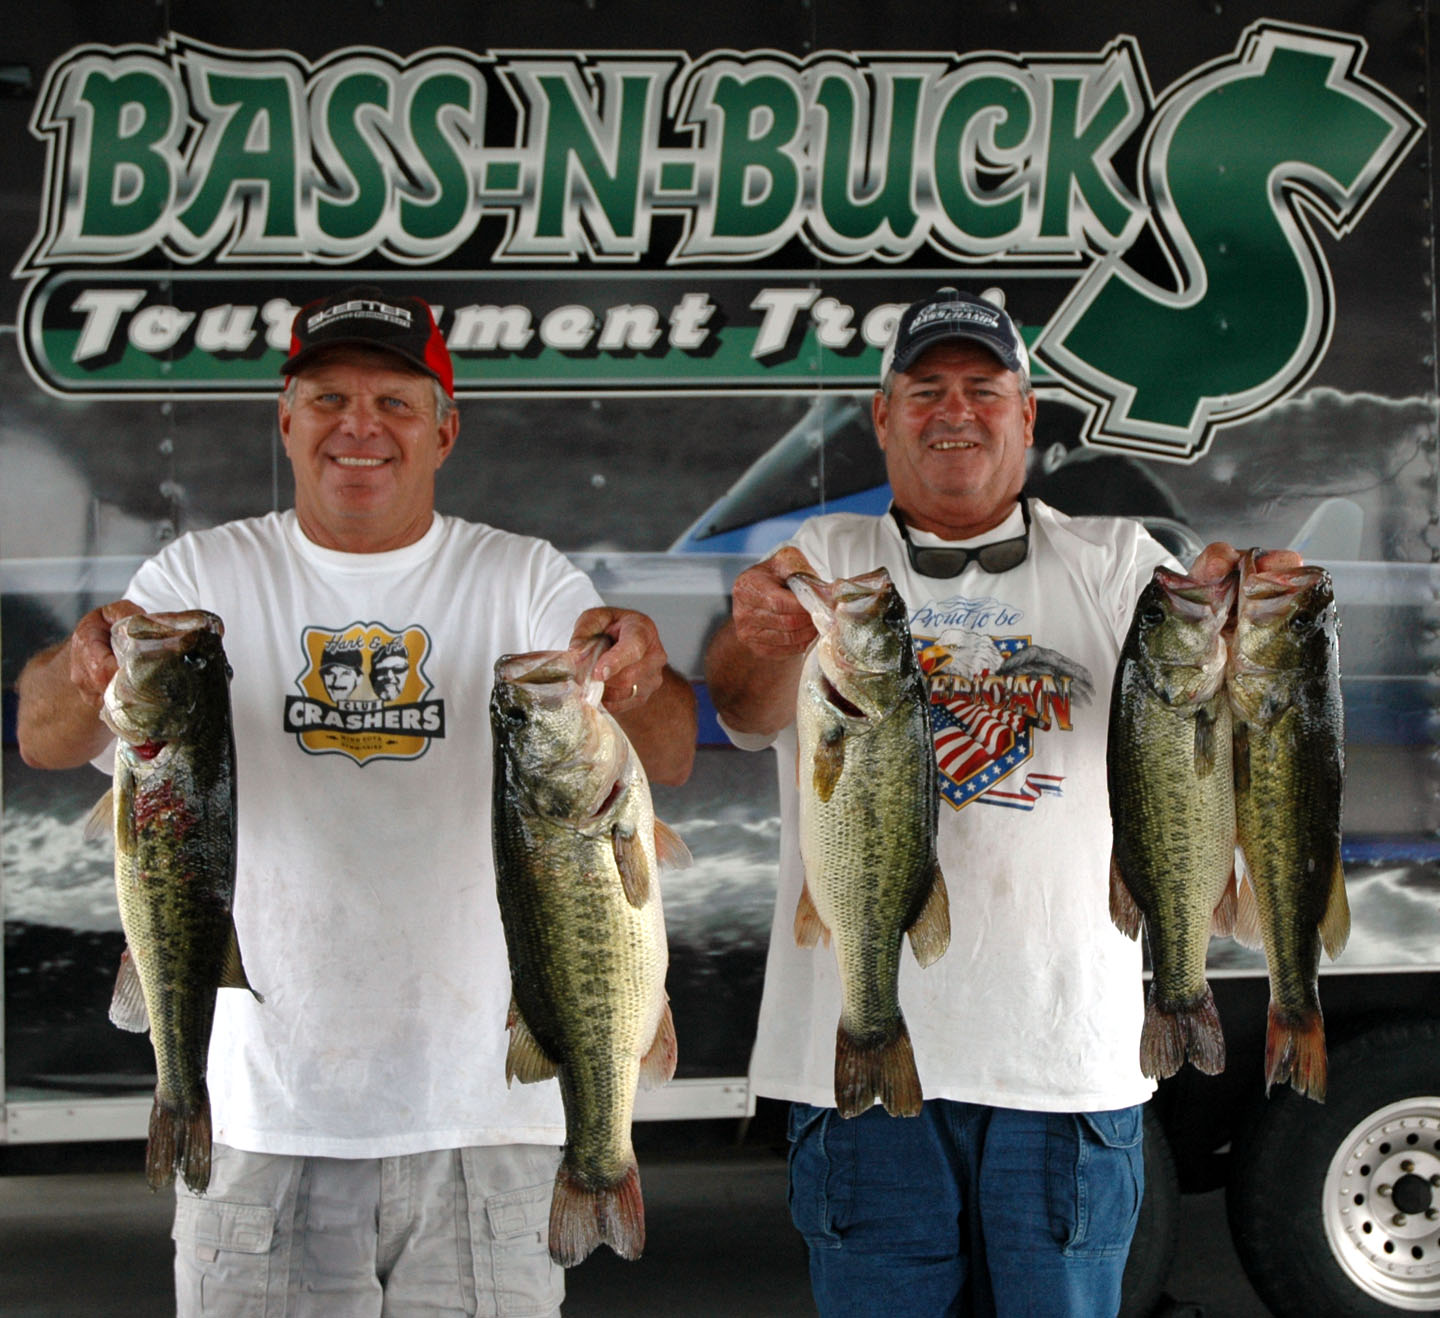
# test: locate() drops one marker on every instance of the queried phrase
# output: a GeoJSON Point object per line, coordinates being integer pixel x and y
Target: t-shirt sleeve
{"type": "Point", "coordinates": [1137, 556]}
{"type": "Point", "coordinates": [562, 594]}
{"type": "Point", "coordinates": [165, 583]}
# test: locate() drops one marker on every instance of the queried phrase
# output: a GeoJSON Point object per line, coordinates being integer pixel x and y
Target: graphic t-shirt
{"type": "Point", "coordinates": [1037, 1003]}
{"type": "Point", "coordinates": [365, 898]}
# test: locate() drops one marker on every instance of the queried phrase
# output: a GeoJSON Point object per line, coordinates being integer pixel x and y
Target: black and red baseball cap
{"type": "Point", "coordinates": [366, 317]}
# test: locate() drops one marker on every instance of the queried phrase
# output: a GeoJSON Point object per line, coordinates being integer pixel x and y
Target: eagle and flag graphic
{"type": "Point", "coordinates": [989, 696]}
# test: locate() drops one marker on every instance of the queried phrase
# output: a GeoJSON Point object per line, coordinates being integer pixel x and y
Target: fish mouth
{"type": "Point", "coordinates": [857, 597]}
{"type": "Point", "coordinates": [1269, 594]}
{"type": "Point", "coordinates": [1193, 600]}
{"type": "Point", "coordinates": [548, 674]}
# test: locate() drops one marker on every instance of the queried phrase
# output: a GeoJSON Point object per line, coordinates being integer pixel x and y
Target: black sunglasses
{"type": "Point", "coordinates": [938, 561]}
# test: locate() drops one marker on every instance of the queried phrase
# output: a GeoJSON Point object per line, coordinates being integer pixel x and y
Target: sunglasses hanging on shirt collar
{"type": "Point", "coordinates": [951, 560]}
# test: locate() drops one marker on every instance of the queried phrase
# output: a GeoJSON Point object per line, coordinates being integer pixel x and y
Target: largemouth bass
{"type": "Point", "coordinates": [577, 855]}
{"type": "Point", "coordinates": [173, 811]}
{"type": "Point", "coordinates": [1284, 682]}
{"type": "Point", "coordinates": [868, 813]}
{"type": "Point", "coordinates": [1172, 809]}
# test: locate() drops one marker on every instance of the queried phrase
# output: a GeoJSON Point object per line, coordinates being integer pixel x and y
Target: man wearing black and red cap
{"type": "Point", "coordinates": [1016, 1188]}
{"type": "Point", "coordinates": [368, 1151]}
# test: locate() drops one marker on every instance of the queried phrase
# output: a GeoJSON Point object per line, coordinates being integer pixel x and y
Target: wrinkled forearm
{"type": "Point", "coordinates": [753, 693]}
{"type": "Point", "coordinates": [57, 728]}
{"type": "Point", "coordinates": [662, 730]}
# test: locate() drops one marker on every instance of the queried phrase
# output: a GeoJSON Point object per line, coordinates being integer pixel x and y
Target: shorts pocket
{"type": "Point", "coordinates": [222, 1255]}
{"type": "Point", "coordinates": [509, 1237]}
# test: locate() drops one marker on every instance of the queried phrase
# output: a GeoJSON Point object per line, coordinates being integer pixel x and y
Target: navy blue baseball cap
{"type": "Point", "coordinates": [950, 314]}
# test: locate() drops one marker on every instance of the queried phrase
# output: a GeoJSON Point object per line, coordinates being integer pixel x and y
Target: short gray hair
{"type": "Point", "coordinates": [445, 406]}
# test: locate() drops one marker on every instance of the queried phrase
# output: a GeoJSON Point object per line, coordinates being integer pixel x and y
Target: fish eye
{"type": "Point", "coordinates": [1152, 615]}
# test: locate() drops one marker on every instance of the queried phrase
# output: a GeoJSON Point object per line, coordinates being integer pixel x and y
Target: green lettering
{"type": "Point", "coordinates": [962, 168]}
{"type": "Point", "coordinates": [444, 213]}
{"type": "Point", "coordinates": [367, 195]}
{"type": "Point", "coordinates": [572, 155]}
{"type": "Point", "coordinates": [757, 182]}
{"type": "Point", "coordinates": [252, 151]}
{"type": "Point", "coordinates": [888, 204]}
{"type": "Point", "coordinates": [1073, 177]}
{"type": "Point", "coordinates": [129, 178]}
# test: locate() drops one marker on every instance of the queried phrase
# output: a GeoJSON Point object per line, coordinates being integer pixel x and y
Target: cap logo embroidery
{"type": "Point", "coordinates": [365, 308]}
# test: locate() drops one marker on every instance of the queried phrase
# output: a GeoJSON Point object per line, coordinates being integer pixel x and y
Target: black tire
{"type": "Point", "coordinates": [1152, 1250]}
{"type": "Point", "coordinates": [1329, 1204]}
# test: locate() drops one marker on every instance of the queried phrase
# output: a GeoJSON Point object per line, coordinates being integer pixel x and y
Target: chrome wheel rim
{"type": "Point", "coordinates": [1382, 1204]}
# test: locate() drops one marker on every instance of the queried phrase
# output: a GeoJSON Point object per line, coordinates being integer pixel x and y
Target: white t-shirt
{"type": "Point", "coordinates": [365, 898]}
{"type": "Point", "coordinates": [1037, 1003]}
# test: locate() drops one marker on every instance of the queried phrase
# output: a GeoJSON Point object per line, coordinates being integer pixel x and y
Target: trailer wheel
{"type": "Point", "coordinates": [1152, 1249]}
{"type": "Point", "coordinates": [1335, 1209]}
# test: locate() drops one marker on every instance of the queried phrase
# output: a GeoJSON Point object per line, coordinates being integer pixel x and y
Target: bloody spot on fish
{"type": "Point", "coordinates": [148, 750]}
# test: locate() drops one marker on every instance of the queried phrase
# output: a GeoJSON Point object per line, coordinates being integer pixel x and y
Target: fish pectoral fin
{"type": "Point", "coordinates": [232, 969]}
{"type": "Point", "coordinates": [633, 864]}
{"type": "Point", "coordinates": [525, 1060]}
{"type": "Point", "coordinates": [1205, 739]}
{"type": "Point", "coordinates": [127, 1006]}
{"type": "Point", "coordinates": [1335, 923]}
{"type": "Point", "coordinates": [100, 822]}
{"type": "Point", "coordinates": [1222, 919]}
{"type": "Point", "coordinates": [930, 933]}
{"type": "Point", "coordinates": [1125, 915]}
{"type": "Point", "coordinates": [657, 1067]}
{"type": "Point", "coordinates": [829, 763]}
{"type": "Point", "coordinates": [1240, 754]}
{"type": "Point", "coordinates": [670, 848]}
{"type": "Point", "coordinates": [1247, 914]}
{"type": "Point", "coordinates": [809, 927]}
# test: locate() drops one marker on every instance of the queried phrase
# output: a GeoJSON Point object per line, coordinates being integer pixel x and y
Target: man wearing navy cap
{"type": "Point", "coordinates": [368, 1155]}
{"type": "Point", "coordinates": [1016, 1189]}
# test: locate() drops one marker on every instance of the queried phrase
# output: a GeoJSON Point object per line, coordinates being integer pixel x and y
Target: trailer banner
{"type": "Point", "coordinates": [638, 222]}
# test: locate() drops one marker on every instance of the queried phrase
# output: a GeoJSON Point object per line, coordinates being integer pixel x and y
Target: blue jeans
{"type": "Point", "coordinates": [966, 1209]}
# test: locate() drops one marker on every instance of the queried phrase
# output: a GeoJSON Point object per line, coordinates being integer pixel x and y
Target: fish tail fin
{"type": "Point", "coordinates": [162, 1145]}
{"type": "Point", "coordinates": [930, 932]}
{"type": "Point", "coordinates": [179, 1140]}
{"type": "Point", "coordinates": [1295, 1051]}
{"type": "Point", "coordinates": [883, 1070]}
{"type": "Point", "coordinates": [1124, 913]}
{"type": "Point", "coordinates": [1173, 1032]}
{"type": "Point", "coordinates": [583, 1217]}
{"type": "Point", "coordinates": [1335, 923]}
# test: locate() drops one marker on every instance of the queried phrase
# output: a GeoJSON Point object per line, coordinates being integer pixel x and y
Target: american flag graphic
{"type": "Point", "coordinates": [979, 742]}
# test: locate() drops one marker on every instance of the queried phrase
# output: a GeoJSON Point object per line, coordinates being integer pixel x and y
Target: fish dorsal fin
{"type": "Point", "coordinates": [809, 927]}
{"type": "Point", "coordinates": [670, 848]}
{"type": "Point", "coordinates": [127, 1007]}
{"type": "Point", "coordinates": [1335, 923]}
{"type": "Point", "coordinates": [633, 863]}
{"type": "Point", "coordinates": [100, 822]}
{"type": "Point", "coordinates": [1247, 915]}
{"type": "Point", "coordinates": [1222, 919]}
{"type": "Point", "coordinates": [930, 934]}
{"type": "Point", "coordinates": [829, 763]}
{"type": "Point", "coordinates": [1124, 913]}
{"type": "Point", "coordinates": [658, 1065]}
{"type": "Point", "coordinates": [525, 1060]}
{"type": "Point", "coordinates": [232, 969]}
